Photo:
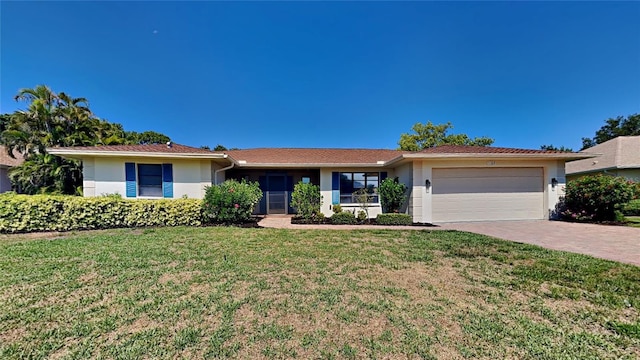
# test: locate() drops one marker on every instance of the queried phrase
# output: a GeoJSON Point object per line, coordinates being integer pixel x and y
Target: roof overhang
{"type": "Point", "coordinates": [603, 169]}
{"type": "Point", "coordinates": [80, 154]}
{"type": "Point", "coordinates": [493, 156]}
{"type": "Point", "coordinates": [244, 164]}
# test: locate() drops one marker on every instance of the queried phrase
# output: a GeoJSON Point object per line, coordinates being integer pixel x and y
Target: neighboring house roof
{"type": "Point", "coordinates": [622, 152]}
{"type": "Point", "coordinates": [151, 150]}
{"type": "Point", "coordinates": [312, 157]}
{"type": "Point", "coordinates": [6, 160]}
{"type": "Point", "coordinates": [315, 157]}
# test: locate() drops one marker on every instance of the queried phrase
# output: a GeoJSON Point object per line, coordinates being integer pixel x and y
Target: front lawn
{"type": "Point", "coordinates": [268, 293]}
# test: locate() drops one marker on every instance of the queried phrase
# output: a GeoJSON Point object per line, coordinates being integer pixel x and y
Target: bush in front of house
{"type": "Point", "coordinates": [231, 202]}
{"type": "Point", "coordinates": [306, 199]}
{"type": "Point", "coordinates": [596, 198]}
{"type": "Point", "coordinates": [343, 218]}
{"type": "Point", "coordinates": [394, 219]}
{"type": "Point", "coordinates": [29, 213]}
{"type": "Point", "coordinates": [392, 195]}
{"type": "Point", "coordinates": [632, 208]}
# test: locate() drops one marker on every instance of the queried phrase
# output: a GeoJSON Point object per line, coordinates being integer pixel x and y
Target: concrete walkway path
{"type": "Point", "coordinates": [618, 243]}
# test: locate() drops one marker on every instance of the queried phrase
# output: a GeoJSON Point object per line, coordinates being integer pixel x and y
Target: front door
{"type": "Point", "coordinates": [276, 194]}
{"type": "Point", "coordinates": [276, 190]}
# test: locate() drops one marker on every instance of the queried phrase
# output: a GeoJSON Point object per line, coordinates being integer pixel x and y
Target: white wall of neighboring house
{"type": "Point", "coordinates": [103, 176]}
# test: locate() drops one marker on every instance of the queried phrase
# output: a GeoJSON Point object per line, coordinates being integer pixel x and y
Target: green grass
{"type": "Point", "coordinates": [633, 221]}
{"type": "Point", "coordinates": [266, 293]}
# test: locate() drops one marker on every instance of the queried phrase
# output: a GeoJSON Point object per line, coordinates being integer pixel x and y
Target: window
{"type": "Point", "coordinates": [351, 182]}
{"type": "Point", "coordinates": [150, 180]}
{"type": "Point", "coordinates": [306, 180]}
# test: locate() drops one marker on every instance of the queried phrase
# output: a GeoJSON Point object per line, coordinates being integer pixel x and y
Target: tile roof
{"type": "Point", "coordinates": [149, 148]}
{"type": "Point", "coordinates": [463, 149]}
{"type": "Point", "coordinates": [313, 156]}
{"type": "Point", "coordinates": [7, 160]}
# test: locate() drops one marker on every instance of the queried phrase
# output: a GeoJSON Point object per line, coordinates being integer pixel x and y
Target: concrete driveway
{"type": "Point", "coordinates": [619, 243]}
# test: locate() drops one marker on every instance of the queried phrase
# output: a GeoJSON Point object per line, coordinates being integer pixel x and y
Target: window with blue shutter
{"type": "Point", "coordinates": [130, 177]}
{"type": "Point", "coordinates": [167, 180]}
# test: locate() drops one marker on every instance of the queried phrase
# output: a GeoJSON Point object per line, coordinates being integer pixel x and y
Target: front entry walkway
{"type": "Point", "coordinates": [619, 243]}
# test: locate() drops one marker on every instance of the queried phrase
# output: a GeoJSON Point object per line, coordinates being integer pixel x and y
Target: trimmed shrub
{"type": "Point", "coordinates": [306, 199]}
{"type": "Point", "coordinates": [596, 198]}
{"type": "Point", "coordinates": [28, 213]}
{"type": "Point", "coordinates": [392, 195]}
{"type": "Point", "coordinates": [632, 208]}
{"type": "Point", "coordinates": [231, 202]}
{"type": "Point", "coordinates": [337, 208]}
{"type": "Point", "coordinates": [394, 219]}
{"type": "Point", "coordinates": [343, 218]}
{"type": "Point", "coordinates": [362, 216]}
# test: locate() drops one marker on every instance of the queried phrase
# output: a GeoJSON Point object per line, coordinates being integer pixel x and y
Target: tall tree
{"type": "Point", "coordinates": [51, 120]}
{"type": "Point", "coordinates": [614, 127]}
{"type": "Point", "coordinates": [145, 138]}
{"type": "Point", "coordinates": [429, 135]}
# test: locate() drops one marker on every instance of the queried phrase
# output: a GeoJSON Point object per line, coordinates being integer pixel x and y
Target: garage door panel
{"type": "Point", "coordinates": [477, 194]}
{"type": "Point", "coordinates": [487, 172]}
{"type": "Point", "coordinates": [486, 185]}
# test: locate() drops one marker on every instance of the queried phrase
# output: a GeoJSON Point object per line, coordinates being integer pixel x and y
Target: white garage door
{"type": "Point", "coordinates": [477, 194]}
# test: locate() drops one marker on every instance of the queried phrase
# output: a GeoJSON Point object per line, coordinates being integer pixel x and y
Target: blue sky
{"type": "Point", "coordinates": [331, 74]}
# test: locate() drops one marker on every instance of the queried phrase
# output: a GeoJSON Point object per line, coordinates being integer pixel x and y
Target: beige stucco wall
{"type": "Point", "coordinates": [404, 173]}
{"type": "Point", "coordinates": [107, 175]}
{"type": "Point", "coordinates": [629, 174]}
{"type": "Point", "coordinates": [421, 202]}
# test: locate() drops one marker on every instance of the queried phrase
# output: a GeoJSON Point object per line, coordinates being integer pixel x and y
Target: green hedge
{"type": "Point", "coordinates": [343, 218]}
{"type": "Point", "coordinates": [394, 219]}
{"type": "Point", "coordinates": [632, 208]}
{"type": "Point", "coordinates": [27, 213]}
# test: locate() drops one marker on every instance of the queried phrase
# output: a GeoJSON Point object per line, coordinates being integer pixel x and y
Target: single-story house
{"type": "Point", "coordinates": [445, 183]}
{"type": "Point", "coordinates": [6, 163]}
{"type": "Point", "coordinates": [617, 157]}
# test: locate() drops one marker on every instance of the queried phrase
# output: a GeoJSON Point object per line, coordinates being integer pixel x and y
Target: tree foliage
{"type": "Point", "coordinates": [614, 127]}
{"type": "Point", "coordinates": [57, 119]}
{"type": "Point", "coordinates": [429, 135]}
{"type": "Point", "coordinates": [555, 148]}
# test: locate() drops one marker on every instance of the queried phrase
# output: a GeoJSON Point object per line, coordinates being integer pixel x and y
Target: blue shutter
{"type": "Point", "coordinates": [130, 177]}
{"type": "Point", "coordinates": [383, 175]}
{"type": "Point", "coordinates": [167, 180]}
{"type": "Point", "coordinates": [335, 188]}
